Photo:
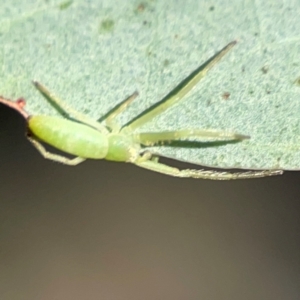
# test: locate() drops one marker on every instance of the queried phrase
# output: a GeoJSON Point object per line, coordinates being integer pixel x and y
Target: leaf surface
{"type": "Point", "coordinates": [93, 54]}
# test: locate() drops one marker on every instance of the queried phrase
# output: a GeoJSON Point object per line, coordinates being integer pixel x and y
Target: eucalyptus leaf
{"type": "Point", "coordinates": [93, 54]}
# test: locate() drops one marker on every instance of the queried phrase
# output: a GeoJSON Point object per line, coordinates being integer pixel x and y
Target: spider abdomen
{"type": "Point", "coordinates": [69, 136]}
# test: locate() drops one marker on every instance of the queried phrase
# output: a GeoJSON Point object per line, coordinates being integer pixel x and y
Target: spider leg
{"type": "Point", "coordinates": [203, 174]}
{"type": "Point", "coordinates": [151, 138]}
{"type": "Point", "coordinates": [55, 157]}
{"type": "Point", "coordinates": [179, 92]}
{"type": "Point", "coordinates": [109, 118]}
{"type": "Point", "coordinates": [63, 107]}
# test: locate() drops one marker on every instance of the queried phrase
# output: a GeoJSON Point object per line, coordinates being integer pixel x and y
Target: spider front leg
{"type": "Point", "coordinates": [155, 166]}
{"type": "Point", "coordinates": [151, 138]}
{"type": "Point", "coordinates": [178, 92]}
{"type": "Point", "coordinates": [55, 157]}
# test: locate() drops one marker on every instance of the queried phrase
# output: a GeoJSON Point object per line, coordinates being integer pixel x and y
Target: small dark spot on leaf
{"type": "Point", "coordinates": [297, 81]}
{"type": "Point", "coordinates": [211, 8]}
{"type": "Point", "coordinates": [268, 92]}
{"type": "Point", "coordinates": [166, 62]}
{"type": "Point", "coordinates": [106, 26]}
{"type": "Point", "coordinates": [145, 22]}
{"type": "Point", "coordinates": [65, 5]}
{"type": "Point", "coordinates": [141, 7]}
{"type": "Point", "coordinates": [251, 92]}
{"type": "Point", "coordinates": [47, 46]}
{"type": "Point", "coordinates": [255, 33]}
{"type": "Point", "coordinates": [243, 69]}
{"type": "Point", "coordinates": [176, 36]}
{"type": "Point", "coordinates": [265, 69]}
{"type": "Point", "coordinates": [226, 95]}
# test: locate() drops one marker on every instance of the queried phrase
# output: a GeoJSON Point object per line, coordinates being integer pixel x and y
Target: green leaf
{"type": "Point", "coordinates": [93, 54]}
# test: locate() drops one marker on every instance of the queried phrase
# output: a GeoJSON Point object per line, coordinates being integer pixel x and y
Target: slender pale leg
{"type": "Point", "coordinates": [67, 109]}
{"type": "Point", "coordinates": [203, 174]}
{"type": "Point", "coordinates": [110, 117]}
{"type": "Point", "coordinates": [55, 157]}
{"type": "Point", "coordinates": [179, 92]}
{"type": "Point", "coordinates": [151, 138]}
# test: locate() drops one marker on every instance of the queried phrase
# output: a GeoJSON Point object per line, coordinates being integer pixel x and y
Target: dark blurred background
{"type": "Point", "coordinates": [106, 230]}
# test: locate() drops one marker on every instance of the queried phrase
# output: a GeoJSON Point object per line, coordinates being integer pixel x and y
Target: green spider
{"type": "Point", "coordinates": [87, 138]}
